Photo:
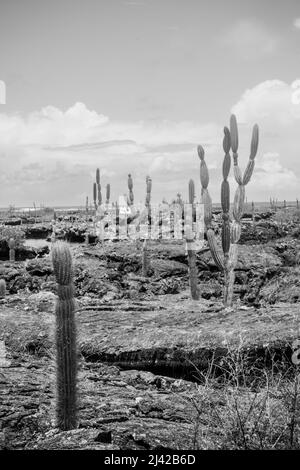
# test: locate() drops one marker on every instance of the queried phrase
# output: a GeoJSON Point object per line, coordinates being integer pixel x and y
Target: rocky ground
{"type": "Point", "coordinates": [156, 369]}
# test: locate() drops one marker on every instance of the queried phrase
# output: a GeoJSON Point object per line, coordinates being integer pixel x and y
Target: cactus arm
{"type": "Point", "coordinates": [214, 249]}
{"type": "Point", "coordinates": [206, 199]}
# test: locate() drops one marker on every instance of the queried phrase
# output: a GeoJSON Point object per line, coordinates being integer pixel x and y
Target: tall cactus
{"type": "Point", "coordinates": [221, 262]}
{"type": "Point", "coordinates": [66, 355]}
{"type": "Point", "coordinates": [86, 208]}
{"type": "Point", "coordinates": [98, 187]}
{"type": "Point", "coordinates": [190, 247]}
{"type": "Point", "coordinates": [145, 254]}
{"type": "Point", "coordinates": [192, 200]}
{"type": "Point", "coordinates": [95, 195]}
{"type": "Point", "coordinates": [230, 231]}
{"type": "Point", "coordinates": [12, 249]}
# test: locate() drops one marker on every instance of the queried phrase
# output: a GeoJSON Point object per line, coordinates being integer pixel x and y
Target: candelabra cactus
{"type": "Point", "coordinates": [66, 354]}
{"type": "Point", "coordinates": [230, 231]}
{"type": "Point", "coordinates": [12, 249]}
{"type": "Point", "coordinates": [239, 198]}
{"type": "Point", "coordinates": [2, 288]}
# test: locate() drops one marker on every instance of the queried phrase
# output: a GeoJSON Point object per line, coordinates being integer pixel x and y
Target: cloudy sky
{"type": "Point", "coordinates": [135, 85]}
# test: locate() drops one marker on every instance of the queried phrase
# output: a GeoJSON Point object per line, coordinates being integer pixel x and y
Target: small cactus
{"type": "Point", "coordinates": [130, 188]}
{"type": "Point", "coordinates": [98, 187]}
{"type": "Point", "coordinates": [95, 195]}
{"type": "Point", "coordinates": [193, 272]}
{"type": "Point", "coordinates": [53, 236]}
{"type": "Point", "coordinates": [12, 249]}
{"type": "Point", "coordinates": [2, 288]}
{"type": "Point", "coordinates": [107, 193]}
{"type": "Point", "coordinates": [66, 355]}
{"type": "Point", "coordinates": [191, 192]}
{"type": "Point", "coordinates": [86, 208]}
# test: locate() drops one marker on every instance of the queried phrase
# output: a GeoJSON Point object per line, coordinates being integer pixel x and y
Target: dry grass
{"type": "Point", "coordinates": [262, 414]}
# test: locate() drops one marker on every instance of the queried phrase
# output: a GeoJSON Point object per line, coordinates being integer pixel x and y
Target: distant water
{"type": "Point", "coordinates": [36, 242]}
{"type": "Point", "coordinates": [257, 204]}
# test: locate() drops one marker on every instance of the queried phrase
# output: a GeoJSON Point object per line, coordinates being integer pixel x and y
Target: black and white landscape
{"type": "Point", "coordinates": [149, 225]}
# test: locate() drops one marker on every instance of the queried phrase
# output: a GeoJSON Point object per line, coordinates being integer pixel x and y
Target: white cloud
{"type": "Point", "coordinates": [51, 155]}
{"type": "Point", "coordinates": [270, 102]}
{"type": "Point", "coordinates": [297, 23]}
{"type": "Point", "coordinates": [51, 147]}
{"type": "Point", "coordinates": [271, 175]}
{"type": "Point", "coordinates": [250, 39]}
{"type": "Point", "coordinates": [271, 105]}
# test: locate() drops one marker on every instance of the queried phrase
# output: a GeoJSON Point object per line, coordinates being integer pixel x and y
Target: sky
{"type": "Point", "coordinates": [133, 86]}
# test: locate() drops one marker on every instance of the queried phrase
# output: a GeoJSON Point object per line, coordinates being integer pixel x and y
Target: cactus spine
{"type": "Point", "coordinates": [2, 288]}
{"type": "Point", "coordinates": [66, 355]}
{"type": "Point", "coordinates": [12, 249]}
